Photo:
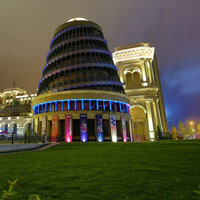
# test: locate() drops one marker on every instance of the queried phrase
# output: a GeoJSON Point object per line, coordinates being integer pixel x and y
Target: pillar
{"type": "Point", "coordinates": [144, 76]}
{"type": "Point", "coordinates": [158, 113]}
{"type": "Point", "coordinates": [131, 128]}
{"type": "Point", "coordinates": [150, 120]}
{"type": "Point", "coordinates": [151, 70]}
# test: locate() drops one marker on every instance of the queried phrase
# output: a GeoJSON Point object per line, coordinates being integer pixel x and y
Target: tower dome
{"type": "Point", "coordinates": [77, 19]}
{"type": "Point", "coordinates": [80, 78]}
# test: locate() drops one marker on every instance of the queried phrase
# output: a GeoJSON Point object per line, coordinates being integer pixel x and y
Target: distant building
{"type": "Point", "coordinates": [138, 71]}
{"type": "Point", "coordinates": [15, 110]}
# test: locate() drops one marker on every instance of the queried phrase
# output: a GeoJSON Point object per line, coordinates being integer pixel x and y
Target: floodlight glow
{"type": "Point", "coordinates": [77, 19]}
{"type": "Point", "coordinates": [113, 128]}
{"type": "Point", "coordinates": [68, 128]}
{"type": "Point", "coordinates": [83, 128]}
{"type": "Point", "coordinates": [191, 123]}
{"type": "Point", "coordinates": [124, 129]}
{"type": "Point", "coordinates": [114, 138]}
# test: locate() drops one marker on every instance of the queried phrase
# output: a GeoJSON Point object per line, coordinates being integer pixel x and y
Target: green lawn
{"type": "Point", "coordinates": [107, 171]}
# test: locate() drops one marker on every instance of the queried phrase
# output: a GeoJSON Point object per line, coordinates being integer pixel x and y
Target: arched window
{"type": "Point", "coordinates": [136, 79]}
{"type": "Point", "coordinates": [129, 81]}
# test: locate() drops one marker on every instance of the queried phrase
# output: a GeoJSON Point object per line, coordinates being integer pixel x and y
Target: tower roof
{"type": "Point", "coordinates": [78, 21]}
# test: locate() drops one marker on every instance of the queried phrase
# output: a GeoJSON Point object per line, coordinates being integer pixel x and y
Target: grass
{"type": "Point", "coordinates": [108, 171]}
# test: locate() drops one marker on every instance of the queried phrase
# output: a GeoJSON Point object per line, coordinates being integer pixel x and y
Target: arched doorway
{"type": "Point", "coordinates": [140, 124]}
{"type": "Point", "coordinates": [5, 128]}
{"type": "Point", "coordinates": [28, 127]}
{"type": "Point", "coordinates": [15, 129]}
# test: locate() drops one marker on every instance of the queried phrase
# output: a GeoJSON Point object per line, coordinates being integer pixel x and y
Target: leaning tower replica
{"type": "Point", "coordinates": [80, 96]}
{"type": "Point", "coordinates": [138, 70]}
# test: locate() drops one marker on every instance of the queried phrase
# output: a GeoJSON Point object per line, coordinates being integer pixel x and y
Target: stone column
{"type": "Point", "coordinates": [130, 128]}
{"type": "Point", "coordinates": [151, 70]}
{"type": "Point", "coordinates": [20, 130]}
{"type": "Point", "coordinates": [144, 75]}
{"type": "Point", "coordinates": [150, 120]}
{"type": "Point", "coordinates": [158, 113]}
{"type": "Point", "coordinates": [147, 71]}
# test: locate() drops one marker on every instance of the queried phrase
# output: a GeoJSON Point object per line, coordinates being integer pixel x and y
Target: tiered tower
{"type": "Point", "coordinates": [138, 70]}
{"type": "Point", "coordinates": [80, 96]}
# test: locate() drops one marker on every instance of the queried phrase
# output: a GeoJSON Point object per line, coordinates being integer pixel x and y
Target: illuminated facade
{"type": "Point", "coordinates": [138, 70]}
{"type": "Point", "coordinates": [15, 111]}
{"type": "Point", "coordinates": [80, 96]}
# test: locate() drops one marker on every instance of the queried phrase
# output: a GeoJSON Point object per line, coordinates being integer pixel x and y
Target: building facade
{"type": "Point", "coordinates": [138, 71]}
{"type": "Point", "coordinates": [15, 111]}
{"type": "Point", "coordinates": [80, 96]}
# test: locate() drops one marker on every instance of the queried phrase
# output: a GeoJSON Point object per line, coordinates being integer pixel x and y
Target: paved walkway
{"type": "Point", "coordinates": [46, 146]}
{"type": "Point", "coordinates": [38, 149]}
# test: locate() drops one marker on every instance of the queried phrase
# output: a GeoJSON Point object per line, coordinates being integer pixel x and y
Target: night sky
{"type": "Point", "coordinates": [172, 26]}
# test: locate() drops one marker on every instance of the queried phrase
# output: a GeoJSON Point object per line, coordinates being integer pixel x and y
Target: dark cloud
{"type": "Point", "coordinates": [173, 27]}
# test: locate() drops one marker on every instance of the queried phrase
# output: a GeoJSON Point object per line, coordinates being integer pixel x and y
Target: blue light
{"type": "Point", "coordinates": [62, 105]}
{"type": "Point", "coordinates": [68, 105]}
{"type": "Point", "coordinates": [90, 107]}
{"type": "Point", "coordinates": [77, 66]}
{"type": "Point", "coordinates": [56, 106]}
{"type": "Point", "coordinates": [97, 103]}
{"type": "Point", "coordinates": [103, 105]}
{"type": "Point", "coordinates": [39, 108]}
{"type": "Point", "coordinates": [83, 127]}
{"type": "Point", "coordinates": [75, 105]}
{"type": "Point", "coordinates": [110, 105]}
{"type": "Point", "coordinates": [82, 104]}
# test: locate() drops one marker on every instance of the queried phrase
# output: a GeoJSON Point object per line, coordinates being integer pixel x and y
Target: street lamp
{"type": "Point", "coordinates": [191, 123]}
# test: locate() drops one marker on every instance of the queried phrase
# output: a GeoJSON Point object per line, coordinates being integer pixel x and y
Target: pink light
{"type": "Point", "coordinates": [68, 128]}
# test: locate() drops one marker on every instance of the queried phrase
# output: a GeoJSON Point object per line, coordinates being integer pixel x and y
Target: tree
{"type": "Point", "coordinates": [181, 129]}
{"type": "Point", "coordinates": [174, 132]}
{"type": "Point", "coordinates": [159, 133]}
{"type": "Point", "coordinates": [198, 127]}
{"type": "Point", "coordinates": [189, 130]}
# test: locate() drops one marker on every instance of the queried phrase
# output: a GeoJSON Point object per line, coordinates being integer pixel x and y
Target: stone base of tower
{"type": "Point", "coordinates": [92, 131]}
{"type": "Point", "coordinates": [83, 115]}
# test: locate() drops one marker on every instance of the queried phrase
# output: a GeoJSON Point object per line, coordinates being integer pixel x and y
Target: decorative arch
{"type": "Point", "coordinates": [13, 127]}
{"type": "Point", "coordinates": [2, 124]}
{"type": "Point", "coordinates": [4, 127]}
{"type": "Point", "coordinates": [140, 106]}
{"type": "Point", "coordinates": [27, 126]}
{"type": "Point", "coordinates": [139, 122]}
{"type": "Point", "coordinates": [131, 69]}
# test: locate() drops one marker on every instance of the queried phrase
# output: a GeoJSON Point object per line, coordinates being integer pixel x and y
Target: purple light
{"type": "Point", "coordinates": [40, 108]}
